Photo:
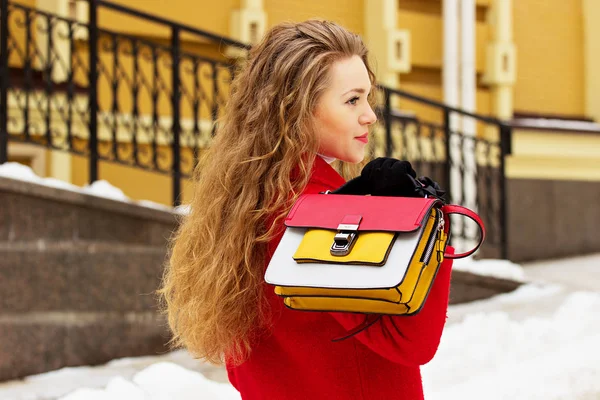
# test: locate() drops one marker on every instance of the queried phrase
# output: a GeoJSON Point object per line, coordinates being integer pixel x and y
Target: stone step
{"type": "Point", "coordinates": [33, 343]}
{"type": "Point", "coordinates": [30, 212]}
{"type": "Point", "coordinates": [79, 276]}
{"type": "Point", "coordinates": [467, 287]}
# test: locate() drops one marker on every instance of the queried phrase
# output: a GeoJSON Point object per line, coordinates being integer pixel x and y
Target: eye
{"type": "Point", "coordinates": [353, 100]}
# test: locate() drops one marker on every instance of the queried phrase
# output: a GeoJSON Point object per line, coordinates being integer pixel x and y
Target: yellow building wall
{"type": "Point", "coordinates": [550, 66]}
{"type": "Point", "coordinates": [212, 16]}
{"type": "Point", "coordinates": [428, 83]}
{"type": "Point", "coordinates": [135, 183]}
{"type": "Point", "coordinates": [350, 14]}
{"type": "Point", "coordinates": [423, 18]}
{"type": "Point", "coordinates": [591, 14]}
{"type": "Point", "coordinates": [554, 156]}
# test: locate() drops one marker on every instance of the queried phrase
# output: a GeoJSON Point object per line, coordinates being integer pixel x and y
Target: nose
{"type": "Point", "coordinates": [368, 117]}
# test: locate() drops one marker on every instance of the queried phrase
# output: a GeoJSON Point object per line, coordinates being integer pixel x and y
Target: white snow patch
{"type": "Point", "coordinates": [160, 381]}
{"type": "Point", "coordinates": [100, 188]}
{"type": "Point", "coordinates": [489, 267]}
{"type": "Point", "coordinates": [491, 356]}
{"type": "Point", "coordinates": [550, 123]}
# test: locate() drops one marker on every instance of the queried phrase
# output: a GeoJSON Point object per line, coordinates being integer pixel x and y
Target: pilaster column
{"type": "Point", "coordinates": [591, 43]}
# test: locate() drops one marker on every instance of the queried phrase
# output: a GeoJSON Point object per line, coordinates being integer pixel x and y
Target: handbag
{"type": "Point", "coordinates": [363, 254]}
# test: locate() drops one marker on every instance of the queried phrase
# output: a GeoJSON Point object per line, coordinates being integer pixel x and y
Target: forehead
{"type": "Point", "coordinates": [349, 73]}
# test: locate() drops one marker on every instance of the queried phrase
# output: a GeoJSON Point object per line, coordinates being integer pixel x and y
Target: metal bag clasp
{"type": "Point", "coordinates": [346, 236]}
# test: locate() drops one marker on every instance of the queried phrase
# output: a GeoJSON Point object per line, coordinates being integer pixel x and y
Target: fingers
{"type": "Point", "coordinates": [373, 168]}
{"type": "Point", "coordinates": [403, 167]}
{"type": "Point", "coordinates": [384, 171]}
{"type": "Point", "coordinates": [353, 186]}
{"type": "Point", "coordinates": [410, 170]}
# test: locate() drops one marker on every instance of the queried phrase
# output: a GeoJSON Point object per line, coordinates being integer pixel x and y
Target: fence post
{"type": "Point", "coordinates": [93, 89]}
{"type": "Point", "coordinates": [176, 128]}
{"type": "Point", "coordinates": [388, 122]}
{"type": "Point", "coordinates": [505, 150]}
{"type": "Point", "coordinates": [4, 81]}
{"type": "Point", "coordinates": [448, 137]}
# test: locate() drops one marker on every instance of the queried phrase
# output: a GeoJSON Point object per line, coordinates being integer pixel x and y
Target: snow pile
{"type": "Point", "coordinates": [550, 123]}
{"type": "Point", "coordinates": [100, 188]}
{"type": "Point", "coordinates": [503, 269]}
{"type": "Point", "coordinates": [161, 381]}
{"type": "Point", "coordinates": [493, 357]}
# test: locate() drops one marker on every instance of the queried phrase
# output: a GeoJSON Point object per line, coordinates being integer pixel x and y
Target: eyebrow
{"type": "Point", "coordinates": [359, 90]}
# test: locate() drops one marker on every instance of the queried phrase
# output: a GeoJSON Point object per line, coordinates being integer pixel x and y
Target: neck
{"type": "Point", "coordinates": [327, 159]}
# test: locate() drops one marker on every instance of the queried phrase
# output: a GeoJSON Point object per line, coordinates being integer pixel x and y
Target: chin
{"type": "Point", "coordinates": [353, 158]}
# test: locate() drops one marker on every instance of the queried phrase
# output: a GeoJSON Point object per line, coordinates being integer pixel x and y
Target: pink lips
{"type": "Point", "coordinates": [363, 138]}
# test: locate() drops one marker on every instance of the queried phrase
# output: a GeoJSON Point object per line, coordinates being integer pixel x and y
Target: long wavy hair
{"type": "Point", "coordinates": [258, 164]}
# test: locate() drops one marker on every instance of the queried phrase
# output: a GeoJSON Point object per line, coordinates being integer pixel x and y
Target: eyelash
{"type": "Point", "coordinates": [355, 98]}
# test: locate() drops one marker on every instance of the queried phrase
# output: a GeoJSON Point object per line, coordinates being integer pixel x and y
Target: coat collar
{"type": "Point", "coordinates": [324, 174]}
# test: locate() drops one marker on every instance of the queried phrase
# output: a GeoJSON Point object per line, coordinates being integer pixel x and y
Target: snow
{"type": "Point", "coordinates": [550, 123]}
{"type": "Point", "coordinates": [493, 356]}
{"type": "Point", "coordinates": [109, 379]}
{"type": "Point", "coordinates": [100, 188]}
{"type": "Point", "coordinates": [495, 268]}
{"type": "Point", "coordinates": [163, 380]}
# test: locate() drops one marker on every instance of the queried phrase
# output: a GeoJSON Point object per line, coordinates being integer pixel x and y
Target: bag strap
{"type": "Point", "coordinates": [369, 320]}
{"type": "Point", "coordinates": [454, 209]}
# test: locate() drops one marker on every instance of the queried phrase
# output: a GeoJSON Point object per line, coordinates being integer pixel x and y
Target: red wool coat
{"type": "Point", "coordinates": [297, 360]}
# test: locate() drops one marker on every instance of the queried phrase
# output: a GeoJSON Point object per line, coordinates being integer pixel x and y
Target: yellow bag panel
{"type": "Point", "coordinates": [408, 284]}
{"type": "Point", "coordinates": [382, 301]}
{"type": "Point", "coordinates": [427, 275]}
{"type": "Point", "coordinates": [343, 304]}
{"type": "Point", "coordinates": [383, 294]}
{"type": "Point", "coordinates": [369, 248]}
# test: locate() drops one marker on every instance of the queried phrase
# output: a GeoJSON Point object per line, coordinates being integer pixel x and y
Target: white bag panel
{"type": "Point", "coordinates": [283, 270]}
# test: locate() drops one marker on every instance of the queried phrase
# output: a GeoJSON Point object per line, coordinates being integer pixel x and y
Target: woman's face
{"type": "Point", "coordinates": [343, 114]}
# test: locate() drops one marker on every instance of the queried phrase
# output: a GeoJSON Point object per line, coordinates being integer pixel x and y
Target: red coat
{"type": "Point", "coordinates": [298, 361]}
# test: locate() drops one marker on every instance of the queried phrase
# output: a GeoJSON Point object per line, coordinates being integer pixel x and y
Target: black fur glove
{"type": "Point", "coordinates": [391, 177]}
{"type": "Point", "coordinates": [383, 177]}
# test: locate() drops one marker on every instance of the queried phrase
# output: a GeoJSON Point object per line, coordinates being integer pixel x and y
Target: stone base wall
{"type": "Point", "coordinates": [552, 219]}
{"type": "Point", "coordinates": [78, 276]}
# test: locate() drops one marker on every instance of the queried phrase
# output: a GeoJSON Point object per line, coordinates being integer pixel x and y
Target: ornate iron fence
{"type": "Point", "coordinates": [465, 152]}
{"type": "Point", "coordinates": [125, 109]}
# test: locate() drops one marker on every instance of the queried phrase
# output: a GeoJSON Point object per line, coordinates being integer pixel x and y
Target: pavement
{"type": "Point", "coordinates": [576, 273]}
{"type": "Point", "coordinates": [547, 284]}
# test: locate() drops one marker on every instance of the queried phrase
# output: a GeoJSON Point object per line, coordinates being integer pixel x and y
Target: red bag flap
{"type": "Point", "coordinates": [328, 211]}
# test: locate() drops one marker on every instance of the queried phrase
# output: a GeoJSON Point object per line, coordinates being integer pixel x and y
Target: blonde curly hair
{"type": "Point", "coordinates": [212, 289]}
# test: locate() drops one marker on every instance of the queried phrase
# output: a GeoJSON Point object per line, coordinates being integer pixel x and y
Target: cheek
{"type": "Point", "coordinates": [333, 127]}
{"type": "Point", "coordinates": [335, 124]}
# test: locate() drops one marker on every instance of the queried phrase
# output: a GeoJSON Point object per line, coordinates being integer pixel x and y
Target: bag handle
{"type": "Point", "coordinates": [454, 209]}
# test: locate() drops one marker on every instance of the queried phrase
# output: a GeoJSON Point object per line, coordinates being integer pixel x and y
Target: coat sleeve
{"type": "Point", "coordinates": [407, 340]}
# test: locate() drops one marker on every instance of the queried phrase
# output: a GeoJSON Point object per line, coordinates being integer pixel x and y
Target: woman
{"type": "Point", "coordinates": [300, 102]}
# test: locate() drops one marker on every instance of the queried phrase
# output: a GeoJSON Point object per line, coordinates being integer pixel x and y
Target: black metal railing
{"type": "Point", "coordinates": [124, 110]}
{"type": "Point", "coordinates": [465, 152]}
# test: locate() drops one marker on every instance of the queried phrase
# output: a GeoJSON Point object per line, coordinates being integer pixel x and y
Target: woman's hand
{"type": "Point", "coordinates": [383, 176]}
